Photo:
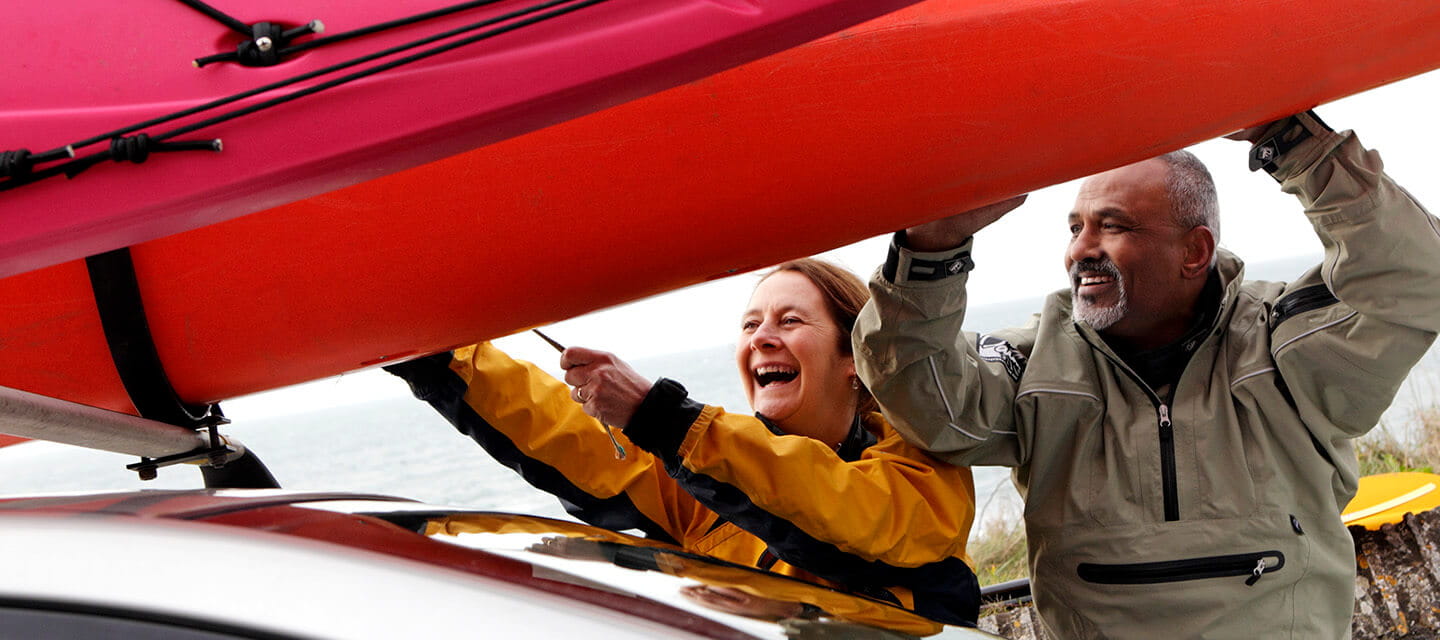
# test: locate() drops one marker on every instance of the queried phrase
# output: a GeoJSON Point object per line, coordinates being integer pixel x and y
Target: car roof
{"type": "Point", "coordinates": [342, 565]}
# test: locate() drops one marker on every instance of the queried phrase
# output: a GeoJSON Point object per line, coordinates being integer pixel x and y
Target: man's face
{"type": "Point", "coordinates": [1125, 256]}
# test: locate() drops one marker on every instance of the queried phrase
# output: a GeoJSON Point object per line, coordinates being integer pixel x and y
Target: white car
{"type": "Point", "coordinates": [208, 564]}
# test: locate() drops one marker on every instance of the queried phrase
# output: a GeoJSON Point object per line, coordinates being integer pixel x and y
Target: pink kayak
{"type": "Point", "coordinates": [83, 74]}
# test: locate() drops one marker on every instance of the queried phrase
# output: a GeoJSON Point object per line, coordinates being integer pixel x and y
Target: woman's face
{"type": "Point", "coordinates": [790, 361]}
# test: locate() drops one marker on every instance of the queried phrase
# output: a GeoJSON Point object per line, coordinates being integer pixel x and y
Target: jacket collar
{"type": "Point", "coordinates": [1231, 271]}
{"type": "Point", "coordinates": [1232, 274]}
{"type": "Point", "coordinates": [856, 442]}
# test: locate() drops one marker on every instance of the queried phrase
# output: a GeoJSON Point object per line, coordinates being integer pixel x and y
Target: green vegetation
{"type": "Point", "coordinates": [998, 549]}
{"type": "Point", "coordinates": [1418, 449]}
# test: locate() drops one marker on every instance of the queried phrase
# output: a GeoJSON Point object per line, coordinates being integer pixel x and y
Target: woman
{"type": "Point", "coordinates": [815, 485]}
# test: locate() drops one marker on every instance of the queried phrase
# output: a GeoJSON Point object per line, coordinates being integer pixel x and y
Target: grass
{"type": "Point", "coordinates": [998, 549]}
{"type": "Point", "coordinates": [1418, 449]}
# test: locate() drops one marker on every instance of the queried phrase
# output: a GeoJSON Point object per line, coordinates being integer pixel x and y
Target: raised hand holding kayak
{"type": "Point", "coordinates": [949, 233]}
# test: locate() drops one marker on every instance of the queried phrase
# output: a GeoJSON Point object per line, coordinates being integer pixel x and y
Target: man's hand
{"type": "Point", "coordinates": [1256, 133]}
{"type": "Point", "coordinates": [948, 233]}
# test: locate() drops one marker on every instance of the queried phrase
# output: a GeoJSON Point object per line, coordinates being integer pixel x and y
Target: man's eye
{"type": "Point", "coordinates": [749, 325]}
{"type": "Point", "coordinates": [790, 320]}
{"type": "Point", "coordinates": [1074, 229]}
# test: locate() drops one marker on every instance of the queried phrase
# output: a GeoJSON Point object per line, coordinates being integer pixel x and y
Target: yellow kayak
{"type": "Point", "coordinates": [1387, 497]}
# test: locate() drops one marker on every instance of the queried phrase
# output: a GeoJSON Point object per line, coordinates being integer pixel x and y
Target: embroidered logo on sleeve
{"type": "Point", "coordinates": [994, 349]}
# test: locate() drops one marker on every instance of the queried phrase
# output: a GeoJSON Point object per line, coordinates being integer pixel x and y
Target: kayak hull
{"type": "Point", "coordinates": [931, 110]}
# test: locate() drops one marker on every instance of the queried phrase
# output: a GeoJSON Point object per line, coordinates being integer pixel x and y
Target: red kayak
{"type": "Point", "coordinates": [933, 109]}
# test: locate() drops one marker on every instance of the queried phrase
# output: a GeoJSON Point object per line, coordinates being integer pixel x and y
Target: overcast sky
{"type": "Point", "coordinates": [1018, 257]}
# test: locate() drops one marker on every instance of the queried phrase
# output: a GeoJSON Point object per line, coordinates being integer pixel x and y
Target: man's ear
{"type": "Point", "coordinates": [1199, 252]}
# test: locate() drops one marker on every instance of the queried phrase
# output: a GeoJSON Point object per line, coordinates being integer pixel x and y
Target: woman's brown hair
{"type": "Point", "coordinates": [845, 294]}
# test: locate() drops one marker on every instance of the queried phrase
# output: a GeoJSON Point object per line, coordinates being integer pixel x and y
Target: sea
{"type": "Point", "coordinates": [378, 439]}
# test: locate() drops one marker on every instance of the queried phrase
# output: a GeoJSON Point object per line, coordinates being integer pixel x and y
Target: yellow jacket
{"type": "Point", "coordinates": [878, 517]}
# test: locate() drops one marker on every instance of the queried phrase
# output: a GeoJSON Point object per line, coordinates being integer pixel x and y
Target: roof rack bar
{"type": "Point", "coordinates": [43, 418]}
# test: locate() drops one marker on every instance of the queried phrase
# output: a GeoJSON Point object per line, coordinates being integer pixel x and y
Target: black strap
{"type": "Point", "coordinates": [127, 332]}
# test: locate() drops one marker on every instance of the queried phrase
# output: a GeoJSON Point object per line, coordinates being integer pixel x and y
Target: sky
{"type": "Point", "coordinates": [1018, 257]}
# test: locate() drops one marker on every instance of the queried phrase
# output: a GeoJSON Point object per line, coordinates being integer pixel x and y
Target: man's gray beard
{"type": "Point", "coordinates": [1082, 308]}
{"type": "Point", "coordinates": [1099, 318]}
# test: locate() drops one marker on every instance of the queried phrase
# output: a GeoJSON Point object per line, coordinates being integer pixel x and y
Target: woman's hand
{"type": "Point", "coordinates": [608, 389]}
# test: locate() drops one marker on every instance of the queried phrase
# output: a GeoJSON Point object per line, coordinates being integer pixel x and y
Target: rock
{"type": "Point", "coordinates": [1397, 581]}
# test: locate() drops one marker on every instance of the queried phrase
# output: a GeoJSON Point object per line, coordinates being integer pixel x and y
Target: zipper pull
{"type": "Point", "coordinates": [1164, 416]}
{"type": "Point", "coordinates": [1255, 573]}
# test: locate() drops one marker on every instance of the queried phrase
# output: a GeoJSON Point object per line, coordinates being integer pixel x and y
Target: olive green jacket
{"type": "Point", "coordinates": [1215, 514]}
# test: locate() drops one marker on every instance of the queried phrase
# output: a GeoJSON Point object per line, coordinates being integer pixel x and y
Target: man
{"type": "Point", "coordinates": [1182, 438]}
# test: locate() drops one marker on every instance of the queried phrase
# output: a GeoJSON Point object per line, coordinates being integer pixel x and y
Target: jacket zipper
{"type": "Point", "coordinates": [1167, 465]}
{"type": "Point", "coordinates": [1298, 302]}
{"type": "Point", "coordinates": [1169, 487]}
{"type": "Point", "coordinates": [1253, 565]}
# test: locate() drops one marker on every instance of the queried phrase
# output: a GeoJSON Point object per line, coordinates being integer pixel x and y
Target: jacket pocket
{"type": "Point", "coordinates": [1252, 564]}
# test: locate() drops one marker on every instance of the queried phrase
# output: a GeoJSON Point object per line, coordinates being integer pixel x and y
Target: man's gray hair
{"type": "Point", "coordinates": [1192, 192]}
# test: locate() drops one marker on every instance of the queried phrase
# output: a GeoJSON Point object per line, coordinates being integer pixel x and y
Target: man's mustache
{"type": "Point", "coordinates": [1104, 267]}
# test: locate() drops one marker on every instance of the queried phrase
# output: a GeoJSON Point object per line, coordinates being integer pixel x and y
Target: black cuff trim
{"type": "Point", "coordinates": [426, 376]}
{"type": "Point", "coordinates": [663, 418]}
{"type": "Point", "coordinates": [920, 269]}
{"type": "Point", "coordinates": [937, 269]}
{"type": "Point", "coordinates": [892, 259]}
{"type": "Point", "coordinates": [1283, 137]}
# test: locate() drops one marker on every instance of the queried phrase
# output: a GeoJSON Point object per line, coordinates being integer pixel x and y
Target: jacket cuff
{"type": "Point", "coordinates": [426, 376]}
{"type": "Point", "coordinates": [1291, 146]}
{"type": "Point", "coordinates": [663, 418]}
{"type": "Point", "coordinates": [904, 265]}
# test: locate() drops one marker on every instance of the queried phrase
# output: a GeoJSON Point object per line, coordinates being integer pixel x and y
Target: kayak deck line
{"type": "Point", "coordinates": [269, 44]}
{"type": "Point", "coordinates": [18, 166]}
{"type": "Point", "coordinates": [1388, 504]}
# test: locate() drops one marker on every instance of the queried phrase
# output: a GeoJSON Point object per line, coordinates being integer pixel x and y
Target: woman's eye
{"type": "Point", "coordinates": [1074, 229]}
{"type": "Point", "coordinates": [790, 320]}
{"type": "Point", "coordinates": [749, 325]}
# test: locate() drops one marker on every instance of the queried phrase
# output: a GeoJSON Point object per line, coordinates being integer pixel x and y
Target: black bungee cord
{"type": "Point", "coordinates": [281, 45]}
{"type": "Point", "coordinates": [17, 167]}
